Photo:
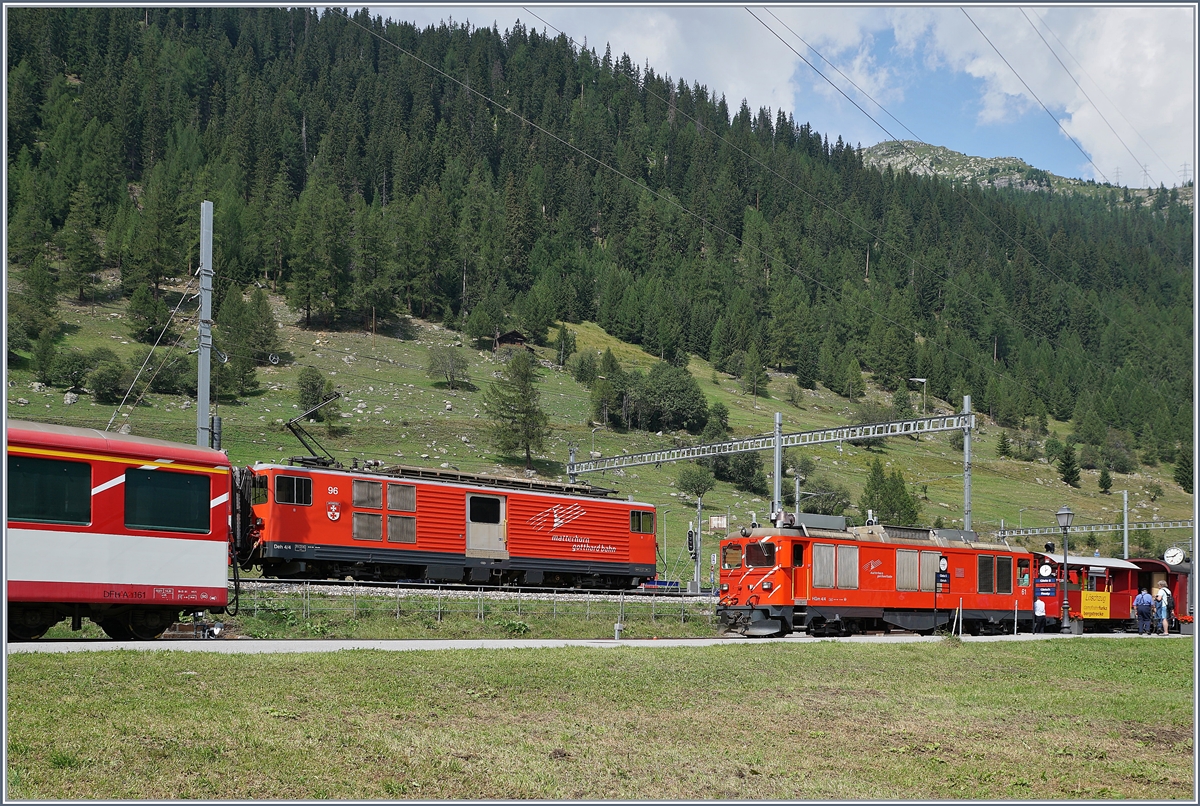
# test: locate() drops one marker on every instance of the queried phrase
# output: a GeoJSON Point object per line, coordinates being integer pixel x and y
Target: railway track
{"type": "Point", "coordinates": [332, 587]}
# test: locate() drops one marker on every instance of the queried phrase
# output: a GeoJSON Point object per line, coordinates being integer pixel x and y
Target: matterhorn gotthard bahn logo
{"type": "Point", "coordinates": [334, 510]}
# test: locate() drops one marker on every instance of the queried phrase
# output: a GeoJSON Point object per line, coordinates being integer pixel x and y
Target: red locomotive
{"type": "Point", "coordinates": [838, 581]}
{"type": "Point", "coordinates": [403, 523]}
{"type": "Point", "coordinates": [124, 530]}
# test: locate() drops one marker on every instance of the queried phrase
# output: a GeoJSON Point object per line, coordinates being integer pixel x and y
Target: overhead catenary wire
{"type": "Point", "coordinates": [1100, 87]}
{"type": "Point", "coordinates": [1136, 161]}
{"type": "Point", "coordinates": [1057, 122]}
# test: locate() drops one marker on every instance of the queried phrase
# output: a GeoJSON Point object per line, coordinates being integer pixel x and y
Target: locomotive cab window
{"type": "Point", "coordinates": [293, 490]}
{"type": "Point", "coordinates": [760, 555]}
{"type": "Point", "coordinates": [258, 490]}
{"type": "Point", "coordinates": [641, 522]}
{"type": "Point", "coordinates": [482, 509]}
{"type": "Point", "coordinates": [731, 557]}
{"type": "Point", "coordinates": [167, 501]}
{"type": "Point", "coordinates": [49, 491]}
{"type": "Point", "coordinates": [1023, 572]}
{"type": "Point", "coordinates": [368, 494]}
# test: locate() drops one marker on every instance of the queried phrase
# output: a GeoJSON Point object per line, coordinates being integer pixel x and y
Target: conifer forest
{"type": "Point", "coordinates": [494, 180]}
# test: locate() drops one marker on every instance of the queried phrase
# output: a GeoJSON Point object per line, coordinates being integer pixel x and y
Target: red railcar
{"type": "Point", "coordinates": [840, 581]}
{"type": "Point", "coordinates": [835, 581]}
{"type": "Point", "coordinates": [124, 530]}
{"type": "Point", "coordinates": [415, 524]}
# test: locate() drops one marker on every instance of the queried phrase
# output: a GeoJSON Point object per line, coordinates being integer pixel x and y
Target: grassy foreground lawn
{"type": "Point", "coordinates": [1089, 718]}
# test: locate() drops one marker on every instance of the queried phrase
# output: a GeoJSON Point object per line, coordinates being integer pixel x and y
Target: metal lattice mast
{"type": "Point", "coordinates": [967, 465]}
{"type": "Point", "coordinates": [1096, 527]}
{"type": "Point", "coordinates": [925, 425]}
{"type": "Point", "coordinates": [203, 426]}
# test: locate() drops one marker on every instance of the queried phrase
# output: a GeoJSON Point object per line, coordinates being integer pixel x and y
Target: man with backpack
{"type": "Point", "coordinates": [1164, 608]}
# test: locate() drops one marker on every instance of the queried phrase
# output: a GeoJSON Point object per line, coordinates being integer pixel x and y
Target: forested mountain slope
{"type": "Point", "coordinates": [506, 179]}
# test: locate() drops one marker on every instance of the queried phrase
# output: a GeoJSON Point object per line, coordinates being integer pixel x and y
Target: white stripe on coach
{"type": "Point", "coordinates": [113, 482]}
{"type": "Point", "coordinates": [36, 555]}
{"type": "Point", "coordinates": [220, 499]}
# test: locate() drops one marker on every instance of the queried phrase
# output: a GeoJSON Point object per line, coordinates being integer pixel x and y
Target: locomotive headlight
{"type": "Point", "coordinates": [766, 584]}
{"type": "Point", "coordinates": [724, 587]}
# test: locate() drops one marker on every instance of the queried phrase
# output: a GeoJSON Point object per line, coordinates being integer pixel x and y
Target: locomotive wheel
{"type": "Point", "coordinates": [146, 625]}
{"type": "Point", "coordinates": [29, 623]}
{"type": "Point", "coordinates": [139, 625]}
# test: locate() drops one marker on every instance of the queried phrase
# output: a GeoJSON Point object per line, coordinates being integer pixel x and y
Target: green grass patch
{"type": "Point", "coordinates": [1094, 718]}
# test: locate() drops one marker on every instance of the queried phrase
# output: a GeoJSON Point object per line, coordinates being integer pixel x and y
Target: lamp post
{"type": "Point", "coordinates": [1065, 516]}
{"type": "Point", "coordinates": [594, 430]}
{"type": "Point", "coordinates": [924, 386]}
{"type": "Point", "coordinates": [1021, 518]}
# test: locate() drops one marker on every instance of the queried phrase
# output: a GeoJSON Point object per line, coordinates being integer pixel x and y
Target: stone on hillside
{"type": "Point", "coordinates": [22, 401]}
{"type": "Point", "coordinates": [70, 398]}
{"type": "Point", "coordinates": [37, 387]}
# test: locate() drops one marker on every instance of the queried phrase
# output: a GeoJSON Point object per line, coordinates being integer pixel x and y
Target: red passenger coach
{"type": "Point", "coordinates": [416, 524]}
{"type": "Point", "coordinates": [124, 530]}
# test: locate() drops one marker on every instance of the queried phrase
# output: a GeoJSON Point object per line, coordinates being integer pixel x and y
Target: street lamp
{"type": "Point", "coordinates": [594, 430]}
{"type": "Point", "coordinates": [1021, 518]}
{"type": "Point", "coordinates": [1065, 516]}
{"type": "Point", "coordinates": [924, 386]}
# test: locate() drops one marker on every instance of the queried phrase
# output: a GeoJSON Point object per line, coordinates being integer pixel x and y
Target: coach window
{"type": "Point", "coordinates": [760, 555]}
{"type": "Point", "coordinates": [641, 522]}
{"type": "Point", "coordinates": [987, 582]}
{"type": "Point", "coordinates": [1023, 572]}
{"type": "Point", "coordinates": [293, 490]}
{"type": "Point", "coordinates": [797, 555]}
{"type": "Point", "coordinates": [368, 526]}
{"type": "Point", "coordinates": [402, 497]}
{"type": "Point", "coordinates": [167, 501]}
{"type": "Point", "coordinates": [1004, 575]}
{"type": "Point", "coordinates": [731, 557]}
{"type": "Point", "coordinates": [49, 491]}
{"type": "Point", "coordinates": [367, 494]}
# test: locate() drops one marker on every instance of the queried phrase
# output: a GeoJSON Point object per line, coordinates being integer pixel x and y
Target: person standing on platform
{"type": "Point", "coordinates": [1164, 608]}
{"type": "Point", "coordinates": [1039, 615]}
{"type": "Point", "coordinates": [1144, 605]}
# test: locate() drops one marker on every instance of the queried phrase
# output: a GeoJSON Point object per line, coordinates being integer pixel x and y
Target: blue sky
{"type": "Point", "coordinates": [1127, 94]}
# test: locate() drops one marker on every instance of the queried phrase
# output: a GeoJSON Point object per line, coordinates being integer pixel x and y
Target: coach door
{"type": "Point", "coordinates": [487, 527]}
{"type": "Point", "coordinates": [799, 572]}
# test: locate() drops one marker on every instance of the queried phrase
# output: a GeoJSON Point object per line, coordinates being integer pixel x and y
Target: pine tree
{"type": "Point", "coordinates": [1003, 446]}
{"type": "Point", "coordinates": [854, 384]}
{"type": "Point", "coordinates": [309, 387]}
{"type": "Point", "coordinates": [1105, 480]}
{"type": "Point", "coordinates": [1183, 466]}
{"type": "Point", "coordinates": [518, 422]}
{"type": "Point", "coordinates": [1068, 470]}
